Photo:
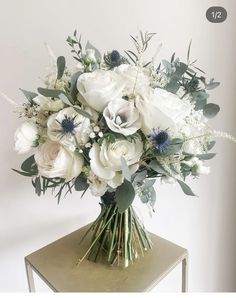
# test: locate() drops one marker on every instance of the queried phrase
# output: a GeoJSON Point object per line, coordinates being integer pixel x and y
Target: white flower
{"type": "Point", "coordinates": [161, 109]}
{"type": "Point", "coordinates": [25, 137]}
{"type": "Point", "coordinates": [199, 168]}
{"type": "Point", "coordinates": [67, 125]}
{"type": "Point", "coordinates": [134, 78]}
{"type": "Point", "coordinates": [121, 116]}
{"type": "Point", "coordinates": [97, 185]}
{"type": "Point", "coordinates": [54, 160]}
{"type": "Point", "coordinates": [90, 56]}
{"type": "Point", "coordinates": [105, 161]}
{"type": "Point", "coordinates": [48, 104]}
{"type": "Point", "coordinates": [98, 88]}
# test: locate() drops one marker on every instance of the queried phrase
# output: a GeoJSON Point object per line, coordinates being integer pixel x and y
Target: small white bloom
{"type": "Point", "coordinates": [48, 104]}
{"type": "Point", "coordinates": [92, 135]}
{"type": "Point", "coordinates": [88, 145]}
{"type": "Point", "coordinates": [54, 160]}
{"type": "Point", "coordinates": [100, 134]}
{"type": "Point", "coordinates": [99, 87]}
{"type": "Point", "coordinates": [96, 128]}
{"type": "Point", "coordinates": [199, 168]}
{"type": "Point", "coordinates": [121, 116]}
{"type": "Point", "coordinates": [25, 137]}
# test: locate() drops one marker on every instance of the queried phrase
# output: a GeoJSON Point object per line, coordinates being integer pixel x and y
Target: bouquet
{"type": "Point", "coordinates": [113, 124]}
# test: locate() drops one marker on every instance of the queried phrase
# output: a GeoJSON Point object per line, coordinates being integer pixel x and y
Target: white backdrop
{"type": "Point", "coordinates": [205, 225]}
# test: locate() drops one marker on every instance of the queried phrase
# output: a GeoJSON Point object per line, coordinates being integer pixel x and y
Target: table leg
{"type": "Point", "coordinates": [30, 277]}
{"type": "Point", "coordinates": [185, 274]}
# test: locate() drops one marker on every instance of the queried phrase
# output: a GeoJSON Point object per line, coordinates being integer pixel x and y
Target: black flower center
{"type": "Point", "coordinates": [68, 125]}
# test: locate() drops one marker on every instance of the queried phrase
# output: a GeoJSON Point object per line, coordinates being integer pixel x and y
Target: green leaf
{"type": "Point", "coordinates": [65, 98]}
{"type": "Point", "coordinates": [38, 186]}
{"type": "Point", "coordinates": [29, 95]}
{"type": "Point", "coordinates": [97, 53]}
{"type": "Point", "coordinates": [139, 177]}
{"type": "Point", "coordinates": [211, 145]}
{"type": "Point", "coordinates": [29, 165]}
{"type": "Point", "coordinates": [61, 64]}
{"type": "Point", "coordinates": [73, 85]}
{"type": "Point", "coordinates": [81, 183]}
{"type": "Point", "coordinates": [82, 112]}
{"type": "Point", "coordinates": [186, 189]}
{"type": "Point", "coordinates": [148, 183]}
{"type": "Point", "coordinates": [174, 147]}
{"type": "Point", "coordinates": [210, 110]}
{"type": "Point", "coordinates": [189, 48]}
{"type": "Point", "coordinates": [49, 92]}
{"type": "Point", "coordinates": [125, 169]}
{"type": "Point", "coordinates": [156, 166]}
{"type": "Point", "coordinates": [206, 156]}
{"type": "Point", "coordinates": [212, 85]}
{"type": "Point", "coordinates": [200, 98]}
{"type": "Point", "coordinates": [23, 173]}
{"type": "Point", "coordinates": [124, 195]}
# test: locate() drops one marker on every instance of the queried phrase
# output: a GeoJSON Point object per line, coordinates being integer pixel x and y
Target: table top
{"type": "Point", "coordinates": [56, 265]}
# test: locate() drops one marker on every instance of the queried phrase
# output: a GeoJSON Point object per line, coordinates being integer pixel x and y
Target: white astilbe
{"type": "Point", "coordinates": [224, 135]}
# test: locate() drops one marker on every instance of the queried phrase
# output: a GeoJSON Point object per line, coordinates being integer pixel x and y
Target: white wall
{"type": "Point", "coordinates": [205, 225]}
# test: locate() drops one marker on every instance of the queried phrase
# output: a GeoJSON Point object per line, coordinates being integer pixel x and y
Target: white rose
{"type": "Point", "coordinates": [121, 116]}
{"type": "Point", "coordinates": [47, 104]}
{"type": "Point", "coordinates": [66, 126]}
{"type": "Point", "coordinates": [161, 109]}
{"type": "Point", "coordinates": [135, 79]}
{"type": "Point", "coordinates": [54, 160]}
{"type": "Point", "coordinates": [99, 87]}
{"type": "Point", "coordinates": [105, 161]}
{"type": "Point", "coordinates": [97, 186]}
{"type": "Point", "coordinates": [25, 137]}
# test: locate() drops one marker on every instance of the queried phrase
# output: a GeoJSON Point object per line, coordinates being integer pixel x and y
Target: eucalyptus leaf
{"type": "Point", "coordinates": [38, 186]}
{"type": "Point", "coordinates": [156, 166]}
{"type": "Point", "coordinates": [23, 173]}
{"type": "Point", "coordinates": [124, 196]}
{"type": "Point", "coordinates": [206, 156]}
{"type": "Point", "coordinates": [61, 64]}
{"type": "Point", "coordinates": [210, 110]}
{"type": "Point", "coordinates": [29, 95]}
{"type": "Point", "coordinates": [149, 183]}
{"type": "Point", "coordinates": [97, 53]}
{"type": "Point", "coordinates": [174, 146]}
{"type": "Point", "coordinates": [73, 85]}
{"type": "Point", "coordinates": [212, 85]}
{"type": "Point", "coordinates": [49, 92]}
{"type": "Point", "coordinates": [29, 165]}
{"type": "Point", "coordinates": [82, 112]}
{"type": "Point", "coordinates": [139, 177]}
{"type": "Point", "coordinates": [211, 145]}
{"type": "Point", "coordinates": [186, 189]}
{"type": "Point", "coordinates": [200, 98]}
{"type": "Point", "coordinates": [125, 169]}
{"type": "Point", "coordinates": [81, 183]}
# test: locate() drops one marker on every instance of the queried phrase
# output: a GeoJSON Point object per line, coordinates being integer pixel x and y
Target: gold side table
{"type": "Point", "coordinates": [55, 264]}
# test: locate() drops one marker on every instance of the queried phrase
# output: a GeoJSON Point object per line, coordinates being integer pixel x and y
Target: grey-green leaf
{"type": "Point", "coordinates": [206, 156]}
{"type": "Point", "coordinates": [61, 64]}
{"type": "Point", "coordinates": [186, 189]}
{"type": "Point", "coordinates": [210, 110]}
{"type": "Point", "coordinates": [211, 145]}
{"type": "Point", "coordinates": [73, 85]}
{"type": "Point", "coordinates": [49, 92]}
{"type": "Point", "coordinates": [125, 194]}
{"type": "Point", "coordinates": [125, 169]}
{"type": "Point", "coordinates": [157, 167]}
{"type": "Point", "coordinates": [82, 112]}
{"type": "Point", "coordinates": [38, 186]}
{"type": "Point", "coordinates": [29, 165]}
{"type": "Point", "coordinates": [29, 95]}
{"type": "Point", "coordinates": [80, 183]}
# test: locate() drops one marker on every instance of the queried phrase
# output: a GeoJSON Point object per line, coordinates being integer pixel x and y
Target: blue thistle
{"type": "Point", "coordinates": [68, 126]}
{"type": "Point", "coordinates": [160, 139]}
{"type": "Point", "coordinates": [115, 56]}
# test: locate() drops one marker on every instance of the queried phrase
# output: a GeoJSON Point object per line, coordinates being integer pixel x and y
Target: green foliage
{"type": "Point", "coordinates": [98, 55]}
{"type": "Point", "coordinates": [206, 156]}
{"type": "Point", "coordinates": [200, 99]}
{"type": "Point", "coordinates": [174, 147]}
{"type": "Point", "coordinates": [210, 110]}
{"type": "Point", "coordinates": [185, 188]}
{"type": "Point", "coordinates": [125, 169]}
{"type": "Point", "coordinates": [81, 183]}
{"type": "Point", "coordinates": [73, 85]}
{"type": "Point", "coordinates": [61, 64]}
{"type": "Point", "coordinates": [29, 95]}
{"type": "Point", "coordinates": [124, 195]}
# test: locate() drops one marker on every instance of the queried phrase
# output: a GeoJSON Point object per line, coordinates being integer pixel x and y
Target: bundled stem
{"type": "Point", "coordinates": [120, 237]}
